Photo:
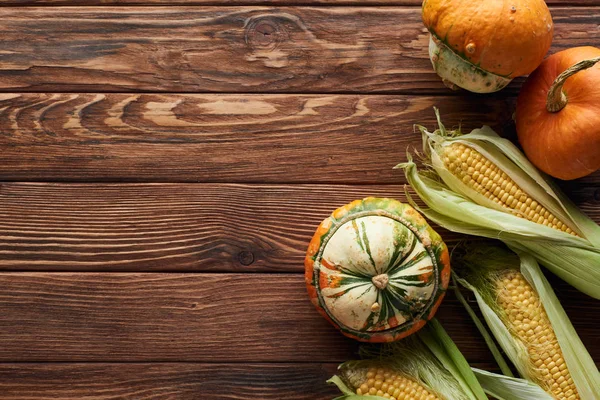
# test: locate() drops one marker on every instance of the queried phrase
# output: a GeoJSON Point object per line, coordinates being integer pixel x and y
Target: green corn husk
{"type": "Point", "coordinates": [454, 206]}
{"type": "Point", "coordinates": [509, 388]}
{"type": "Point", "coordinates": [481, 265]}
{"type": "Point", "coordinates": [432, 359]}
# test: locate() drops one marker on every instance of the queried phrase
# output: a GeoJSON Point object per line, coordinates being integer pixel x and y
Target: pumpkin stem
{"type": "Point", "coordinates": [557, 100]}
{"type": "Point", "coordinates": [380, 281]}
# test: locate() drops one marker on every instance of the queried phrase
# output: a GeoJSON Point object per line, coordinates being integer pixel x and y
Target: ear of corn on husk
{"type": "Point", "coordinates": [428, 360]}
{"type": "Point", "coordinates": [500, 195]}
{"type": "Point", "coordinates": [427, 365]}
{"type": "Point", "coordinates": [528, 321]}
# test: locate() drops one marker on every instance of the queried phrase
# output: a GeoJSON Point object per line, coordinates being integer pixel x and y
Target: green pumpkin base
{"type": "Point", "coordinates": [457, 72]}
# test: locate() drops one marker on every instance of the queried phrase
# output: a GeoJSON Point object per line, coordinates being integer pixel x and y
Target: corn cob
{"type": "Point", "coordinates": [525, 317]}
{"type": "Point", "coordinates": [467, 189]}
{"type": "Point", "coordinates": [386, 383]}
{"type": "Point", "coordinates": [486, 178]}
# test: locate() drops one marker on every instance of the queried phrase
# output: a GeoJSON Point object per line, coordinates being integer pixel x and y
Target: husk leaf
{"type": "Point", "coordinates": [348, 393]}
{"type": "Point", "coordinates": [337, 381]}
{"type": "Point", "coordinates": [509, 388]}
{"type": "Point", "coordinates": [439, 343]}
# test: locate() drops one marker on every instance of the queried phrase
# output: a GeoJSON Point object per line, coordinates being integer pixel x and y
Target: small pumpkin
{"type": "Point", "coordinates": [482, 45]}
{"type": "Point", "coordinates": [558, 114]}
{"type": "Point", "coordinates": [376, 270]}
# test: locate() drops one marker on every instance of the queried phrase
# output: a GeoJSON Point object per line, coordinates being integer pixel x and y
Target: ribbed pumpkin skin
{"type": "Point", "coordinates": [367, 238]}
{"type": "Point", "coordinates": [505, 37]}
{"type": "Point", "coordinates": [564, 144]}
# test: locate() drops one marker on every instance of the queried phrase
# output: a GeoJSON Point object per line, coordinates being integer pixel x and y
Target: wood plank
{"type": "Point", "coordinates": [166, 381]}
{"type": "Point", "coordinates": [223, 138]}
{"type": "Point", "coordinates": [104, 381]}
{"type": "Point", "coordinates": [227, 138]}
{"type": "Point", "coordinates": [182, 227]}
{"type": "Point", "coordinates": [159, 227]}
{"type": "Point", "coordinates": [233, 49]}
{"type": "Point", "coordinates": [127, 317]}
{"type": "Point", "coordinates": [88, 3]}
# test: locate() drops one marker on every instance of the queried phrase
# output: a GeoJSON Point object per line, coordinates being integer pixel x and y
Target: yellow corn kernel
{"type": "Point", "coordinates": [475, 171]}
{"type": "Point", "coordinates": [386, 383]}
{"type": "Point", "coordinates": [526, 318]}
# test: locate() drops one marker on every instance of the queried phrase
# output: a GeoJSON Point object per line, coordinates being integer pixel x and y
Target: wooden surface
{"type": "Point", "coordinates": [165, 163]}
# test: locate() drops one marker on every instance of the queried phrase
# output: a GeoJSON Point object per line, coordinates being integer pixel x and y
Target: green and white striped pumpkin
{"type": "Point", "coordinates": [376, 270]}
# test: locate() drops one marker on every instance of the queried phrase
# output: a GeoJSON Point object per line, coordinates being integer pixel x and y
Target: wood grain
{"type": "Point", "coordinates": [116, 317]}
{"type": "Point", "coordinates": [161, 227]}
{"type": "Point", "coordinates": [224, 138]}
{"type": "Point", "coordinates": [166, 381]}
{"type": "Point", "coordinates": [233, 49]}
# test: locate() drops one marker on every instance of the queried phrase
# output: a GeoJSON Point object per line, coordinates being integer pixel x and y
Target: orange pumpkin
{"type": "Point", "coordinates": [482, 45]}
{"type": "Point", "coordinates": [376, 270]}
{"type": "Point", "coordinates": [558, 114]}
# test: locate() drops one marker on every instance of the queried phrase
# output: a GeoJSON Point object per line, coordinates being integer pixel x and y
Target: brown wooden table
{"type": "Point", "coordinates": [165, 163]}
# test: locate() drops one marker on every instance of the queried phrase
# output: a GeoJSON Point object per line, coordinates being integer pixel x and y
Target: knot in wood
{"type": "Point", "coordinates": [380, 281]}
{"type": "Point", "coordinates": [264, 33]}
{"type": "Point", "coordinates": [246, 257]}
